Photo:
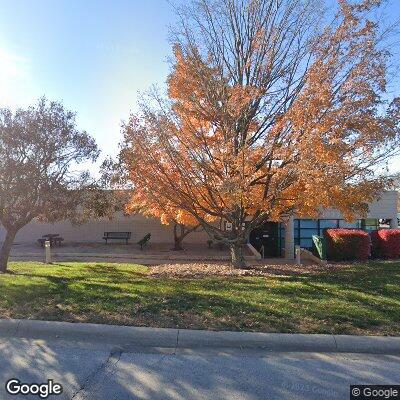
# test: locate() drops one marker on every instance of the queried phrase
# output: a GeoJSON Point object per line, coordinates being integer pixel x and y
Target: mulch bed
{"type": "Point", "coordinates": [202, 270]}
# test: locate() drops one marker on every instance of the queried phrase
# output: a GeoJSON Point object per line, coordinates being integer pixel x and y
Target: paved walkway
{"type": "Point", "coordinates": [153, 254]}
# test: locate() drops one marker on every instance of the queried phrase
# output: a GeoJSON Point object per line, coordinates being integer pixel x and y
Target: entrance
{"type": "Point", "coordinates": [266, 236]}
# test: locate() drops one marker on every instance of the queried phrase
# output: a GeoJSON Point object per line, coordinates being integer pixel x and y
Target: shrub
{"type": "Point", "coordinates": [347, 244]}
{"type": "Point", "coordinates": [386, 243]}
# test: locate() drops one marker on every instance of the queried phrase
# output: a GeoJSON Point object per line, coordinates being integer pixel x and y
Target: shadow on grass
{"type": "Point", "coordinates": [361, 298]}
{"type": "Point", "coordinates": [65, 272]}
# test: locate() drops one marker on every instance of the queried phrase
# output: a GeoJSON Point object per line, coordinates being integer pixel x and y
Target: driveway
{"type": "Point", "coordinates": [100, 371]}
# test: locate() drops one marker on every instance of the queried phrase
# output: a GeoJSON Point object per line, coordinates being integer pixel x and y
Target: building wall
{"type": "Point", "coordinates": [384, 207]}
{"type": "Point", "coordinates": [93, 231]}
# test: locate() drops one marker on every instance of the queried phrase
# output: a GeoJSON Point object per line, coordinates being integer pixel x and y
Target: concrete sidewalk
{"type": "Point", "coordinates": [127, 336]}
{"type": "Point", "coordinates": [155, 254]}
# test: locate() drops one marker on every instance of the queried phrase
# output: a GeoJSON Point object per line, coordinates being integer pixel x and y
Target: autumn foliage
{"type": "Point", "coordinates": [264, 118]}
{"type": "Point", "coordinates": [347, 244]}
{"type": "Point", "coordinates": [386, 243]}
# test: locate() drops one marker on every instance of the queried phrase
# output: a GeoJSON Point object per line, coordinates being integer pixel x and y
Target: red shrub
{"type": "Point", "coordinates": [386, 243]}
{"type": "Point", "coordinates": [347, 244]}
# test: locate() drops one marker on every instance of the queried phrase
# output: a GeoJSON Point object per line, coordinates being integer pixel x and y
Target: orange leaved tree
{"type": "Point", "coordinates": [265, 117]}
{"type": "Point", "coordinates": [147, 203]}
{"type": "Point", "coordinates": [143, 199]}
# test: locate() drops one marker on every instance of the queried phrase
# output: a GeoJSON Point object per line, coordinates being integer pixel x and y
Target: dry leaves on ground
{"type": "Point", "coordinates": [199, 270]}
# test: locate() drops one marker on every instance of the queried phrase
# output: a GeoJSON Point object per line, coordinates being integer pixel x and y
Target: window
{"type": "Point", "coordinates": [308, 223]}
{"type": "Point", "coordinates": [371, 224]}
{"type": "Point", "coordinates": [328, 223]}
{"type": "Point", "coordinates": [304, 229]}
{"type": "Point", "coordinates": [308, 232]}
{"type": "Point", "coordinates": [350, 225]}
{"type": "Point", "coordinates": [306, 243]}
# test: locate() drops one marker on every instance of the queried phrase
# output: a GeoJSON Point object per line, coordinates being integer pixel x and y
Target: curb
{"type": "Point", "coordinates": [191, 339]}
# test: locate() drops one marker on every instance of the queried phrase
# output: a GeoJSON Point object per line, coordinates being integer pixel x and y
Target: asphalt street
{"type": "Point", "coordinates": [100, 371]}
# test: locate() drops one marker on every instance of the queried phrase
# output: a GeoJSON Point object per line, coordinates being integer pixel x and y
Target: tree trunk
{"type": "Point", "coordinates": [237, 258]}
{"type": "Point", "coordinates": [6, 249]}
{"type": "Point", "coordinates": [178, 243]}
{"type": "Point", "coordinates": [183, 232]}
{"type": "Point", "coordinates": [178, 238]}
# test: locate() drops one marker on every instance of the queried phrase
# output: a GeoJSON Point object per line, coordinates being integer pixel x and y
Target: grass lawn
{"type": "Point", "coordinates": [364, 299]}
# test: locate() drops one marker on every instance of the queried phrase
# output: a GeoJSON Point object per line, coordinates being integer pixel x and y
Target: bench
{"type": "Point", "coordinates": [54, 239]}
{"type": "Point", "coordinates": [117, 236]}
{"type": "Point", "coordinates": [211, 243]}
{"type": "Point", "coordinates": [143, 242]}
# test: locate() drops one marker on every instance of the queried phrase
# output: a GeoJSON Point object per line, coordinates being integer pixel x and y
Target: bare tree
{"type": "Point", "coordinates": [40, 148]}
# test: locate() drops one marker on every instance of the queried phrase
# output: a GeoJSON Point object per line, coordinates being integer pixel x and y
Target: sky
{"type": "Point", "coordinates": [93, 55]}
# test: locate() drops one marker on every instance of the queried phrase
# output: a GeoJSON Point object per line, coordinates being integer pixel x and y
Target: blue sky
{"type": "Point", "coordinates": [94, 55]}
